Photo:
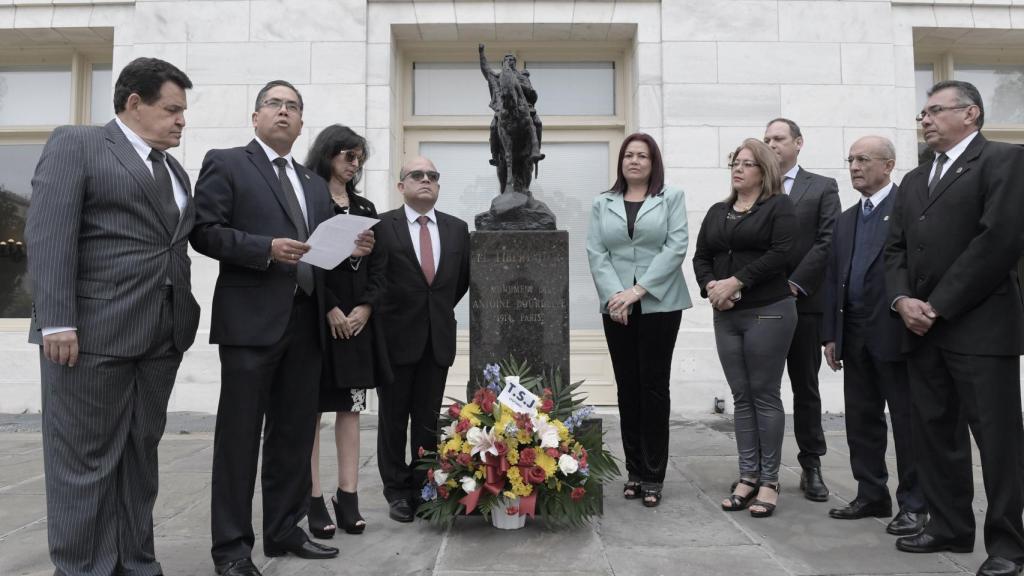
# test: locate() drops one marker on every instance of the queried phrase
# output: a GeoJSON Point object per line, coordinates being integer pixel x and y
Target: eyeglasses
{"type": "Point", "coordinates": [419, 174]}
{"type": "Point", "coordinates": [933, 111]}
{"type": "Point", "coordinates": [863, 159]}
{"type": "Point", "coordinates": [352, 156]}
{"type": "Point", "coordinates": [746, 165]}
{"type": "Point", "coordinates": [276, 103]}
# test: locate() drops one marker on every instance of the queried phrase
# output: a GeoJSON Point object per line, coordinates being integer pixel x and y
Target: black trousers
{"type": "Point", "coordinates": [414, 397]}
{"type": "Point", "coordinates": [803, 363]}
{"type": "Point", "coordinates": [641, 355]}
{"type": "Point", "coordinates": [272, 389]}
{"type": "Point", "coordinates": [870, 383]}
{"type": "Point", "coordinates": [102, 423]}
{"type": "Point", "coordinates": [953, 392]}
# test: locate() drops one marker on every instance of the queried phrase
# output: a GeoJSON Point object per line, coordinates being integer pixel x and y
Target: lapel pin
{"type": "Point", "coordinates": [960, 169]}
{"type": "Point", "coordinates": [886, 219]}
{"type": "Point", "coordinates": [307, 176]}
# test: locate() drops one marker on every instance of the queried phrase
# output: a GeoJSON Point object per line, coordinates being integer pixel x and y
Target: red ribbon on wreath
{"type": "Point", "coordinates": [496, 470]}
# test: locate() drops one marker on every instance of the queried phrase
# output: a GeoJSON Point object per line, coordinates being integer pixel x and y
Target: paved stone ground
{"type": "Point", "coordinates": [688, 534]}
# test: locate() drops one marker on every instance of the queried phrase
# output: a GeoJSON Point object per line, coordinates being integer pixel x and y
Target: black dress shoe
{"type": "Point", "coordinates": [924, 543]}
{"type": "Point", "coordinates": [309, 550]}
{"type": "Point", "coordinates": [996, 566]}
{"type": "Point", "coordinates": [400, 510]}
{"type": "Point", "coordinates": [240, 567]}
{"type": "Point", "coordinates": [906, 523]}
{"type": "Point", "coordinates": [862, 509]}
{"type": "Point", "coordinates": [812, 485]}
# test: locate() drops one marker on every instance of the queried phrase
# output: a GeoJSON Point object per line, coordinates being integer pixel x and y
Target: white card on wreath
{"type": "Point", "coordinates": [518, 398]}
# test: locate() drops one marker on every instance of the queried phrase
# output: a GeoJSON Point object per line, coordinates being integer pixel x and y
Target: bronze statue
{"type": "Point", "coordinates": [515, 150]}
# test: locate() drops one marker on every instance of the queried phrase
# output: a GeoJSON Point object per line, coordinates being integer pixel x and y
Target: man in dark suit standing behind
{"type": "Point", "coordinates": [951, 269]}
{"type": "Point", "coordinates": [256, 206]}
{"type": "Point", "coordinates": [113, 314]}
{"type": "Point", "coordinates": [860, 331]}
{"type": "Point", "coordinates": [816, 199]}
{"type": "Point", "coordinates": [427, 255]}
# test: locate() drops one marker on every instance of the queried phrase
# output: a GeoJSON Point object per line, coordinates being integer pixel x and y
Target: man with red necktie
{"type": "Point", "coordinates": [427, 258]}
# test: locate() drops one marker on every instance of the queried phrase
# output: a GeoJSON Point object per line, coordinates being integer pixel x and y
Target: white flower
{"type": "Point", "coordinates": [567, 464]}
{"type": "Point", "coordinates": [447, 431]}
{"type": "Point", "coordinates": [547, 432]}
{"type": "Point", "coordinates": [440, 476]}
{"type": "Point", "coordinates": [482, 441]}
{"type": "Point", "coordinates": [468, 484]}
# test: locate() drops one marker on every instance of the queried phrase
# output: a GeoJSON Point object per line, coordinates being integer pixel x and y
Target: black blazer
{"type": "Point", "coordinates": [240, 208]}
{"type": "Point", "coordinates": [756, 252]}
{"type": "Point", "coordinates": [411, 309]}
{"type": "Point", "coordinates": [958, 250]}
{"type": "Point", "coordinates": [816, 199]}
{"type": "Point", "coordinates": [885, 330]}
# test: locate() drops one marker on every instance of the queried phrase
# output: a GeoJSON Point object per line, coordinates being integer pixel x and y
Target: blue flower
{"type": "Point", "coordinates": [584, 470]}
{"type": "Point", "coordinates": [492, 377]}
{"type": "Point", "coordinates": [428, 493]}
{"type": "Point", "coordinates": [511, 429]}
{"type": "Point", "coordinates": [578, 417]}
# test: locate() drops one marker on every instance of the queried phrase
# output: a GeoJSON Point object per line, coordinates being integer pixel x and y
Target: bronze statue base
{"type": "Point", "coordinates": [516, 211]}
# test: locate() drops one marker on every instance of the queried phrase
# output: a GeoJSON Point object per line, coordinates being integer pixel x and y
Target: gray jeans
{"type": "Point", "coordinates": [752, 346]}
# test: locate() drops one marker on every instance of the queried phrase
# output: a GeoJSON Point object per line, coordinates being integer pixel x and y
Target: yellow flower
{"type": "Point", "coordinates": [479, 473]}
{"type": "Point", "coordinates": [524, 437]}
{"type": "Point", "coordinates": [453, 445]}
{"type": "Point", "coordinates": [549, 464]}
{"type": "Point", "coordinates": [512, 456]}
{"type": "Point", "coordinates": [563, 432]}
{"type": "Point", "coordinates": [451, 483]}
{"type": "Point", "coordinates": [508, 494]}
{"type": "Point", "coordinates": [519, 487]}
{"type": "Point", "coordinates": [471, 412]}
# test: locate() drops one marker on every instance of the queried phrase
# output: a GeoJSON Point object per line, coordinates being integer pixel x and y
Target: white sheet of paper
{"type": "Point", "coordinates": [518, 398]}
{"type": "Point", "coordinates": [335, 239]}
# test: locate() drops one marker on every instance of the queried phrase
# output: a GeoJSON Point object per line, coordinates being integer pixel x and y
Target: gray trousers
{"type": "Point", "coordinates": [102, 422]}
{"type": "Point", "coordinates": [752, 346]}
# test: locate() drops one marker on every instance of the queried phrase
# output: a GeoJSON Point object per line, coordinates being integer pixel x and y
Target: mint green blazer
{"type": "Point", "coordinates": [654, 255]}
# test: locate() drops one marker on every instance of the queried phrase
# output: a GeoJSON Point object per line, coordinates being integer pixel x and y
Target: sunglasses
{"type": "Point", "coordinates": [352, 156]}
{"type": "Point", "coordinates": [419, 174]}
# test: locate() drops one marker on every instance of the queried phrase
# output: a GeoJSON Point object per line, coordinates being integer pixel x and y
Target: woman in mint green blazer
{"type": "Point", "coordinates": [636, 245]}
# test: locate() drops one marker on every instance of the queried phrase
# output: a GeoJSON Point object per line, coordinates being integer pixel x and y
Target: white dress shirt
{"type": "Point", "coordinates": [789, 177]}
{"type": "Point", "coordinates": [414, 233]}
{"type": "Point", "coordinates": [877, 197]}
{"type": "Point", "coordinates": [292, 175]}
{"type": "Point", "coordinates": [952, 154]}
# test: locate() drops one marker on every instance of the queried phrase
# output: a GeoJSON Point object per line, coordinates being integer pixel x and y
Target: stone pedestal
{"type": "Point", "coordinates": [519, 300]}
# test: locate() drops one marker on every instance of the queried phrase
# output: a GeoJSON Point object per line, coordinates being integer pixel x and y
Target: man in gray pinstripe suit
{"type": "Point", "coordinates": [113, 313]}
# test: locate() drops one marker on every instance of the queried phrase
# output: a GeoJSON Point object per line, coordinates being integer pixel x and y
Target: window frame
{"type": "Point", "coordinates": [81, 60]}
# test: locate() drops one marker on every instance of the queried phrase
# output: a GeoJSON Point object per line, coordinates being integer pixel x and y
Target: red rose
{"type": "Point", "coordinates": [463, 459]}
{"type": "Point", "coordinates": [442, 491]}
{"type": "Point", "coordinates": [535, 475]}
{"type": "Point", "coordinates": [446, 465]}
{"type": "Point", "coordinates": [487, 405]}
{"type": "Point", "coordinates": [454, 410]}
{"type": "Point", "coordinates": [527, 457]}
{"type": "Point", "coordinates": [430, 475]}
{"type": "Point", "coordinates": [462, 426]}
{"type": "Point", "coordinates": [547, 405]}
{"type": "Point", "coordinates": [501, 447]}
{"type": "Point", "coordinates": [548, 393]}
{"type": "Point", "coordinates": [577, 494]}
{"type": "Point", "coordinates": [553, 452]}
{"type": "Point", "coordinates": [583, 457]}
{"type": "Point", "coordinates": [421, 451]}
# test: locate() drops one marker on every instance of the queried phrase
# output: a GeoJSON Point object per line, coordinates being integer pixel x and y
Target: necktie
{"type": "Point", "coordinates": [939, 162]}
{"type": "Point", "coordinates": [166, 190]}
{"type": "Point", "coordinates": [868, 206]}
{"type": "Point", "coordinates": [303, 272]}
{"type": "Point", "coordinates": [426, 250]}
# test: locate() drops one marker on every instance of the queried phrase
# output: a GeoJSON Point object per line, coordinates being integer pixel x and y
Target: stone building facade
{"type": "Point", "coordinates": [698, 75]}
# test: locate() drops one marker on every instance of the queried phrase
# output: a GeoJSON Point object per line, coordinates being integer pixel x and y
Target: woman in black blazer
{"type": "Point", "coordinates": [741, 258]}
{"type": "Point", "coordinates": [356, 356]}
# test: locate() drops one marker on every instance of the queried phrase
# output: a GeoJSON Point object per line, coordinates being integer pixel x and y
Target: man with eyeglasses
{"type": "Point", "coordinates": [816, 200]}
{"type": "Point", "coordinates": [862, 338]}
{"type": "Point", "coordinates": [427, 270]}
{"type": "Point", "coordinates": [951, 270]}
{"type": "Point", "coordinates": [256, 206]}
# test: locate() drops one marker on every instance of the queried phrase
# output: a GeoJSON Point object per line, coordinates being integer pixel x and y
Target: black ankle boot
{"type": "Point", "coordinates": [320, 519]}
{"type": "Point", "coordinates": [346, 508]}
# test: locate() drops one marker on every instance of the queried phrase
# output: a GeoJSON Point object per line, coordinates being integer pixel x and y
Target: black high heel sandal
{"type": "Point", "coordinates": [319, 519]}
{"type": "Point", "coordinates": [737, 502]}
{"type": "Point", "coordinates": [631, 490]}
{"type": "Point", "coordinates": [652, 496]}
{"type": "Point", "coordinates": [346, 508]}
{"type": "Point", "coordinates": [769, 508]}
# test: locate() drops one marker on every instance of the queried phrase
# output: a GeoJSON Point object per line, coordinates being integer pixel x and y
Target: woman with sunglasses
{"type": "Point", "coordinates": [741, 258]}
{"type": "Point", "coordinates": [355, 359]}
{"type": "Point", "coordinates": [636, 245]}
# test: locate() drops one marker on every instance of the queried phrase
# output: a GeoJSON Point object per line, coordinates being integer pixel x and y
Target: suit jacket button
{"type": "Point", "coordinates": [922, 217]}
